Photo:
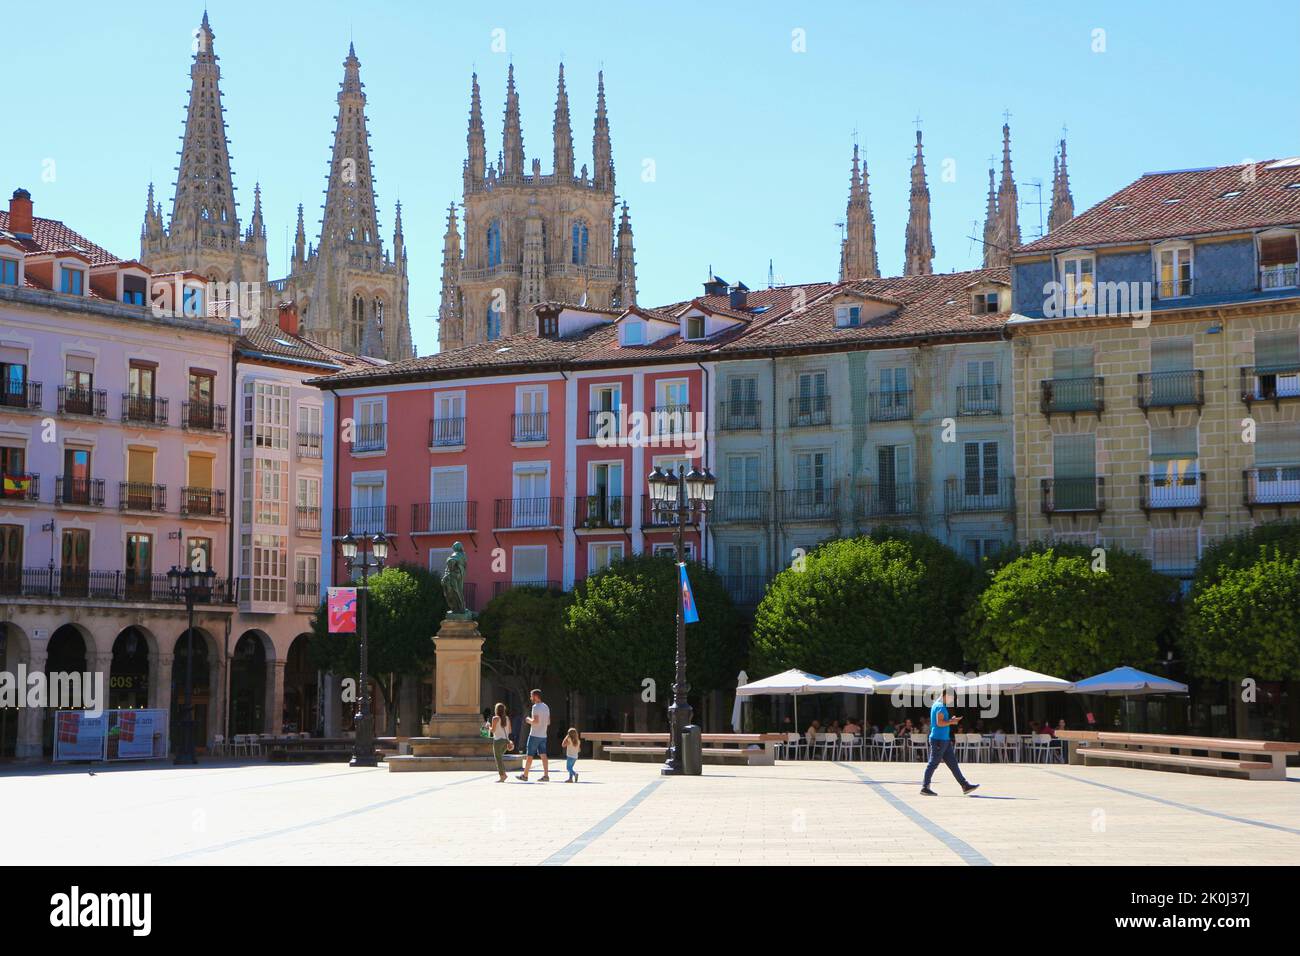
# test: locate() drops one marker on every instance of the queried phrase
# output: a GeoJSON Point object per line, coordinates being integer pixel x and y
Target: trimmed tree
{"type": "Point", "coordinates": [405, 607]}
{"type": "Point", "coordinates": [1054, 610]}
{"type": "Point", "coordinates": [522, 628]}
{"type": "Point", "coordinates": [890, 601]}
{"type": "Point", "coordinates": [620, 628]}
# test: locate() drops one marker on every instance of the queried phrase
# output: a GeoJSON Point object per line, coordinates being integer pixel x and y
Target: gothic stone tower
{"type": "Point", "coordinates": [203, 233]}
{"type": "Point", "coordinates": [531, 237]}
{"type": "Point", "coordinates": [351, 295]}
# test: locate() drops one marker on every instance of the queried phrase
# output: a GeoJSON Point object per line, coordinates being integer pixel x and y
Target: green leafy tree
{"type": "Point", "coordinates": [405, 608]}
{"type": "Point", "coordinates": [1243, 550]}
{"type": "Point", "coordinates": [890, 601]}
{"type": "Point", "coordinates": [1053, 609]}
{"type": "Point", "coordinates": [1244, 618]}
{"type": "Point", "coordinates": [522, 628]}
{"type": "Point", "coordinates": [620, 629]}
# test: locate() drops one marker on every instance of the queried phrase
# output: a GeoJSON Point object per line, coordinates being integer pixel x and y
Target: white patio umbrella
{"type": "Point", "coordinates": [861, 681]}
{"type": "Point", "coordinates": [736, 714]}
{"type": "Point", "coordinates": [1127, 682]}
{"type": "Point", "coordinates": [1015, 681]}
{"type": "Point", "coordinates": [793, 682]}
{"type": "Point", "coordinates": [928, 680]}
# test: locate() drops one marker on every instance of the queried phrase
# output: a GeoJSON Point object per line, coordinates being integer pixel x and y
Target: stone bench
{"type": "Point", "coordinates": [1256, 759]}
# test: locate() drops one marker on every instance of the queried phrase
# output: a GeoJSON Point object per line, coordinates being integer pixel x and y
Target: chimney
{"type": "Point", "coordinates": [20, 213]}
{"type": "Point", "coordinates": [738, 296]}
{"type": "Point", "coordinates": [289, 317]}
{"type": "Point", "coordinates": [715, 286]}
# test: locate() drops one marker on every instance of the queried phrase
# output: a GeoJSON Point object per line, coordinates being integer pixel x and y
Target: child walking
{"type": "Point", "coordinates": [572, 747]}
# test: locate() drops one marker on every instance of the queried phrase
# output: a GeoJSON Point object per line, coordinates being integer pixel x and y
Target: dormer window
{"type": "Point", "coordinates": [848, 316]}
{"type": "Point", "coordinates": [72, 281]}
{"type": "Point", "coordinates": [1077, 274]}
{"type": "Point", "coordinates": [133, 290]}
{"type": "Point", "coordinates": [548, 326]}
{"type": "Point", "coordinates": [984, 303]}
{"type": "Point", "coordinates": [1174, 271]}
{"type": "Point", "coordinates": [8, 271]}
{"type": "Point", "coordinates": [633, 333]}
{"type": "Point", "coordinates": [694, 327]}
{"type": "Point", "coordinates": [192, 301]}
{"type": "Point", "coordinates": [1278, 261]}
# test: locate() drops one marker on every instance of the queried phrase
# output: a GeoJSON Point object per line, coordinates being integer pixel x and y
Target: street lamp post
{"type": "Point", "coordinates": [365, 553]}
{"type": "Point", "coordinates": [676, 495]}
{"type": "Point", "coordinates": [193, 585]}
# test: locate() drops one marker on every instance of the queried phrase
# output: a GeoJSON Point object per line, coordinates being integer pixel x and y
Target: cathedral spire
{"type": "Point", "coordinates": [919, 246]}
{"type": "Point", "coordinates": [858, 250]}
{"type": "Point", "coordinates": [563, 133]}
{"type": "Point", "coordinates": [349, 215]}
{"type": "Point", "coordinates": [399, 239]}
{"type": "Point", "coordinates": [601, 151]}
{"type": "Point", "coordinates": [450, 330]}
{"type": "Point", "coordinates": [300, 240]}
{"type": "Point", "coordinates": [256, 226]}
{"type": "Point", "coordinates": [476, 164]}
{"type": "Point", "coordinates": [1008, 202]}
{"type": "Point", "coordinates": [626, 264]}
{"type": "Point", "coordinates": [1062, 210]}
{"type": "Point", "coordinates": [513, 138]}
{"type": "Point", "coordinates": [994, 255]}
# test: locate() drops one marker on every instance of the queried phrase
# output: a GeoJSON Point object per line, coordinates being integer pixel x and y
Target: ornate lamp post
{"type": "Point", "coordinates": [674, 496]}
{"type": "Point", "coordinates": [365, 553]}
{"type": "Point", "coordinates": [195, 586]}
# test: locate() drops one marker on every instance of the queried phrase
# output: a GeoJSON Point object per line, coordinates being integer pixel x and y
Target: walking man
{"type": "Point", "coordinates": [538, 722]}
{"type": "Point", "coordinates": [941, 743]}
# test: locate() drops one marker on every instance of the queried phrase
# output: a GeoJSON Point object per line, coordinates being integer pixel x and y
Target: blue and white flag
{"type": "Point", "coordinates": [689, 614]}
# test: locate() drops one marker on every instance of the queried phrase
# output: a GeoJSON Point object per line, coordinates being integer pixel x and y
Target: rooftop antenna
{"type": "Point", "coordinates": [1037, 184]}
{"type": "Point", "coordinates": [771, 278]}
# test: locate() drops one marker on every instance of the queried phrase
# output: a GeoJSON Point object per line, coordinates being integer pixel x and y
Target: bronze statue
{"type": "Point", "coordinates": [453, 582]}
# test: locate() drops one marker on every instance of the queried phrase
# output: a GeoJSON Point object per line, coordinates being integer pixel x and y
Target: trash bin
{"type": "Point", "coordinates": [692, 750]}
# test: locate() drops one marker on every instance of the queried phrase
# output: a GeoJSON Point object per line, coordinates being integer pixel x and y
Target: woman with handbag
{"type": "Point", "coordinates": [501, 742]}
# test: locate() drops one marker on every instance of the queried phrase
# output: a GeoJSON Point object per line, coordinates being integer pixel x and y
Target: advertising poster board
{"type": "Point", "coordinates": [79, 736]}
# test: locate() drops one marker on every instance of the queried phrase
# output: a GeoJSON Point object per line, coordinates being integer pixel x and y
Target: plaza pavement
{"type": "Point", "coordinates": [626, 813]}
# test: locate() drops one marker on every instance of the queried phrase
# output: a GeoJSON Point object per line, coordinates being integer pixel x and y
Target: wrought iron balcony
{"type": "Point", "coordinates": [20, 486]}
{"type": "Point", "coordinates": [203, 416]}
{"type": "Point", "coordinates": [306, 595]}
{"type": "Point", "coordinates": [141, 496]}
{"type": "Point", "coordinates": [891, 499]}
{"type": "Point", "coordinates": [1271, 486]}
{"type": "Point", "coordinates": [746, 590]}
{"type": "Point", "coordinates": [529, 426]}
{"type": "Point", "coordinates": [310, 444]}
{"type": "Point", "coordinates": [116, 586]}
{"type": "Point", "coordinates": [1071, 395]}
{"type": "Point", "coordinates": [1171, 493]}
{"type": "Point", "coordinates": [368, 520]}
{"type": "Point", "coordinates": [963, 496]}
{"type": "Point", "coordinates": [810, 504]}
{"type": "Point", "coordinates": [446, 432]}
{"type": "Point", "coordinates": [810, 411]}
{"type": "Point", "coordinates": [206, 502]}
{"type": "Point", "coordinates": [604, 423]}
{"type": "Point", "coordinates": [1174, 288]}
{"type": "Point", "coordinates": [741, 416]}
{"type": "Point", "coordinates": [602, 511]}
{"type": "Point", "coordinates": [1284, 276]}
{"type": "Point", "coordinates": [369, 436]}
{"type": "Point", "coordinates": [444, 517]}
{"type": "Point", "coordinates": [671, 420]}
{"type": "Point", "coordinates": [501, 587]}
{"type": "Point", "coordinates": [144, 409]}
{"type": "Point", "coordinates": [1273, 383]}
{"type": "Point", "coordinates": [1073, 495]}
{"type": "Point", "coordinates": [307, 519]}
{"type": "Point", "coordinates": [895, 406]}
{"type": "Point", "coordinates": [740, 507]}
{"type": "Point", "coordinates": [978, 400]}
{"type": "Point", "coordinates": [1184, 388]}
{"type": "Point", "coordinates": [92, 402]}
{"type": "Point", "coordinates": [87, 492]}
{"type": "Point", "coordinates": [24, 394]}
{"type": "Point", "coordinates": [513, 514]}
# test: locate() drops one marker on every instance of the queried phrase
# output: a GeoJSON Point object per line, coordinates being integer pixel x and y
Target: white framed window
{"type": "Point", "coordinates": [532, 495]}
{"type": "Point", "coordinates": [266, 415]}
{"type": "Point", "coordinates": [369, 500]}
{"type": "Point", "coordinates": [1078, 273]}
{"type": "Point", "coordinates": [984, 303]}
{"type": "Point", "coordinates": [528, 564]}
{"type": "Point", "coordinates": [448, 419]}
{"type": "Point", "coordinates": [1174, 270]}
{"type": "Point", "coordinates": [601, 554]}
{"type": "Point", "coordinates": [848, 316]}
{"type": "Point", "coordinates": [309, 426]}
{"type": "Point", "coordinates": [370, 429]}
{"type": "Point", "coordinates": [980, 463]}
{"type": "Point", "coordinates": [693, 327]}
{"type": "Point", "coordinates": [448, 507]}
{"type": "Point", "coordinates": [306, 575]}
{"type": "Point", "coordinates": [633, 332]}
{"type": "Point", "coordinates": [1278, 260]}
{"type": "Point", "coordinates": [670, 549]}
{"type": "Point", "coordinates": [308, 493]}
{"type": "Point", "coordinates": [265, 560]}
{"type": "Point", "coordinates": [270, 490]}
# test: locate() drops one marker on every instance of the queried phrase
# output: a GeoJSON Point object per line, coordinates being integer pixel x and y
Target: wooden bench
{"type": "Point", "coordinates": [1257, 759]}
{"type": "Point", "coordinates": [757, 750]}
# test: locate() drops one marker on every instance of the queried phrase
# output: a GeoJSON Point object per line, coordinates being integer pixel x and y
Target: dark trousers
{"type": "Point", "coordinates": [942, 750]}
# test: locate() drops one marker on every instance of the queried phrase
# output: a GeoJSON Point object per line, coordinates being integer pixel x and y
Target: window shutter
{"type": "Point", "coordinates": [449, 485]}
{"type": "Point", "coordinates": [1074, 456]}
{"type": "Point", "coordinates": [200, 471]}
{"type": "Point", "coordinates": [139, 466]}
{"type": "Point", "coordinates": [1277, 250]}
{"type": "Point", "coordinates": [1167, 443]}
{"type": "Point", "coordinates": [81, 363]}
{"type": "Point", "coordinates": [1072, 363]}
{"type": "Point", "coordinates": [1277, 443]}
{"type": "Point", "coordinates": [1171, 355]}
{"type": "Point", "coordinates": [1277, 350]}
{"type": "Point", "coordinates": [530, 564]}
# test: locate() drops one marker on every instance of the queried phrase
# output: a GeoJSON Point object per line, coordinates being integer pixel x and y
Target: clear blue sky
{"type": "Point", "coordinates": [750, 140]}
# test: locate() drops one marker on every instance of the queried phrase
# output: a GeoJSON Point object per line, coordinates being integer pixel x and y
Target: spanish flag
{"type": "Point", "coordinates": [16, 485]}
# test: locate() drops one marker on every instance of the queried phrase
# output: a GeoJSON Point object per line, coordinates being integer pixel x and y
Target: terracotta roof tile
{"type": "Point", "coordinates": [51, 235]}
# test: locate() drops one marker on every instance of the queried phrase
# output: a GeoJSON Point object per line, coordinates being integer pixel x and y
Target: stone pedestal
{"type": "Point", "coordinates": [454, 742]}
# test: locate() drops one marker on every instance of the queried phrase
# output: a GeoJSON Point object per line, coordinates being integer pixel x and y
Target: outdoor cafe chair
{"type": "Point", "coordinates": [883, 747]}
{"type": "Point", "coordinates": [791, 746]}
{"type": "Point", "coordinates": [1005, 748]}
{"type": "Point", "coordinates": [918, 747]}
{"type": "Point", "coordinates": [968, 747]}
{"type": "Point", "coordinates": [848, 744]}
{"type": "Point", "coordinates": [1040, 748]}
{"type": "Point", "coordinates": [218, 745]}
{"type": "Point", "coordinates": [826, 744]}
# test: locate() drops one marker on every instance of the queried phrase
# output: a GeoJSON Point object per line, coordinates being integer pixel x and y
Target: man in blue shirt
{"type": "Point", "coordinates": [941, 743]}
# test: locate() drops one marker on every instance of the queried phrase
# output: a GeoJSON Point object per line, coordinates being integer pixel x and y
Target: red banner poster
{"type": "Point", "coordinates": [342, 606]}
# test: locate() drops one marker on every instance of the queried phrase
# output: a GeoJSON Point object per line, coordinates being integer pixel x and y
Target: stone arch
{"type": "Point", "coordinates": [71, 649]}
{"type": "Point", "coordinates": [253, 650]}
{"type": "Point", "coordinates": [301, 688]}
{"type": "Point", "coordinates": [132, 668]}
{"type": "Point", "coordinates": [15, 648]}
{"type": "Point", "coordinates": [206, 684]}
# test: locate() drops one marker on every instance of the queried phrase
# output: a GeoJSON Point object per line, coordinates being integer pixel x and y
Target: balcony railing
{"type": "Point", "coordinates": [1071, 395]}
{"type": "Point", "coordinates": [306, 595]}
{"type": "Point", "coordinates": [369, 520]}
{"type": "Point", "coordinates": [88, 492]}
{"type": "Point", "coordinates": [20, 394]}
{"type": "Point", "coordinates": [1073, 495]}
{"type": "Point", "coordinates": [895, 406]}
{"type": "Point", "coordinates": [203, 416]}
{"type": "Point", "coordinates": [961, 496]}
{"type": "Point", "coordinates": [444, 517]}
{"type": "Point", "coordinates": [20, 486]}
{"type": "Point", "coordinates": [309, 444]}
{"type": "Point", "coordinates": [1171, 389]}
{"type": "Point", "coordinates": [501, 587]}
{"type": "Point", "coordinates": [144, 409]}
{"type": "Point", "coordinates": [1275, 383]}
{"type": "Point", "coordinates": [446, 432]}
{"type": "Point", "coordinates": [524, 513]}
{"type": "Point", "coordinates": [83, 401]}
{"type": "Point", "coordinates": [746, 590]}
{"type": "Point", "coordinates": [1285, 276]}
{"type": "Point", "coordinates": [810, 504]}
{"type": "Point", "coordinates": [1158, 492]}
{"type": "Point", "coordinates": [307, 519]}
{"type": "Point", "coordinates": [979, 400]}
{"type": "Point", "coordinates": [529, 426]}
{"type": "Point", "coordinates": [1174, 288]}
{"type": "Point", "coordinates": [604, 423]}
{"type": "Point", "coordinates": [670, 420]}
{"type": "Point", "coordinates": [602, 511]}
{"type": "Point", "coordinates": [370, 436]}
{"type": "Point", "coordinates": [1271, 486]}
{"type": "Point", "coordinates": [209, 502]}
{"type": "Point", "coordinates": [118, 586]}
{"type": "Point", "coordinates": [141, 496]}
{"type": "Point", "coordinates": [656, 519]}
{"type": "Point", "coordinates": [740, 507]}
{"type": "Point", "coordinates": [891, 499]}
{"type": "Point", "coordinates": [741, 416]}
{"type": "Point", "coordinates": [809, 411]}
